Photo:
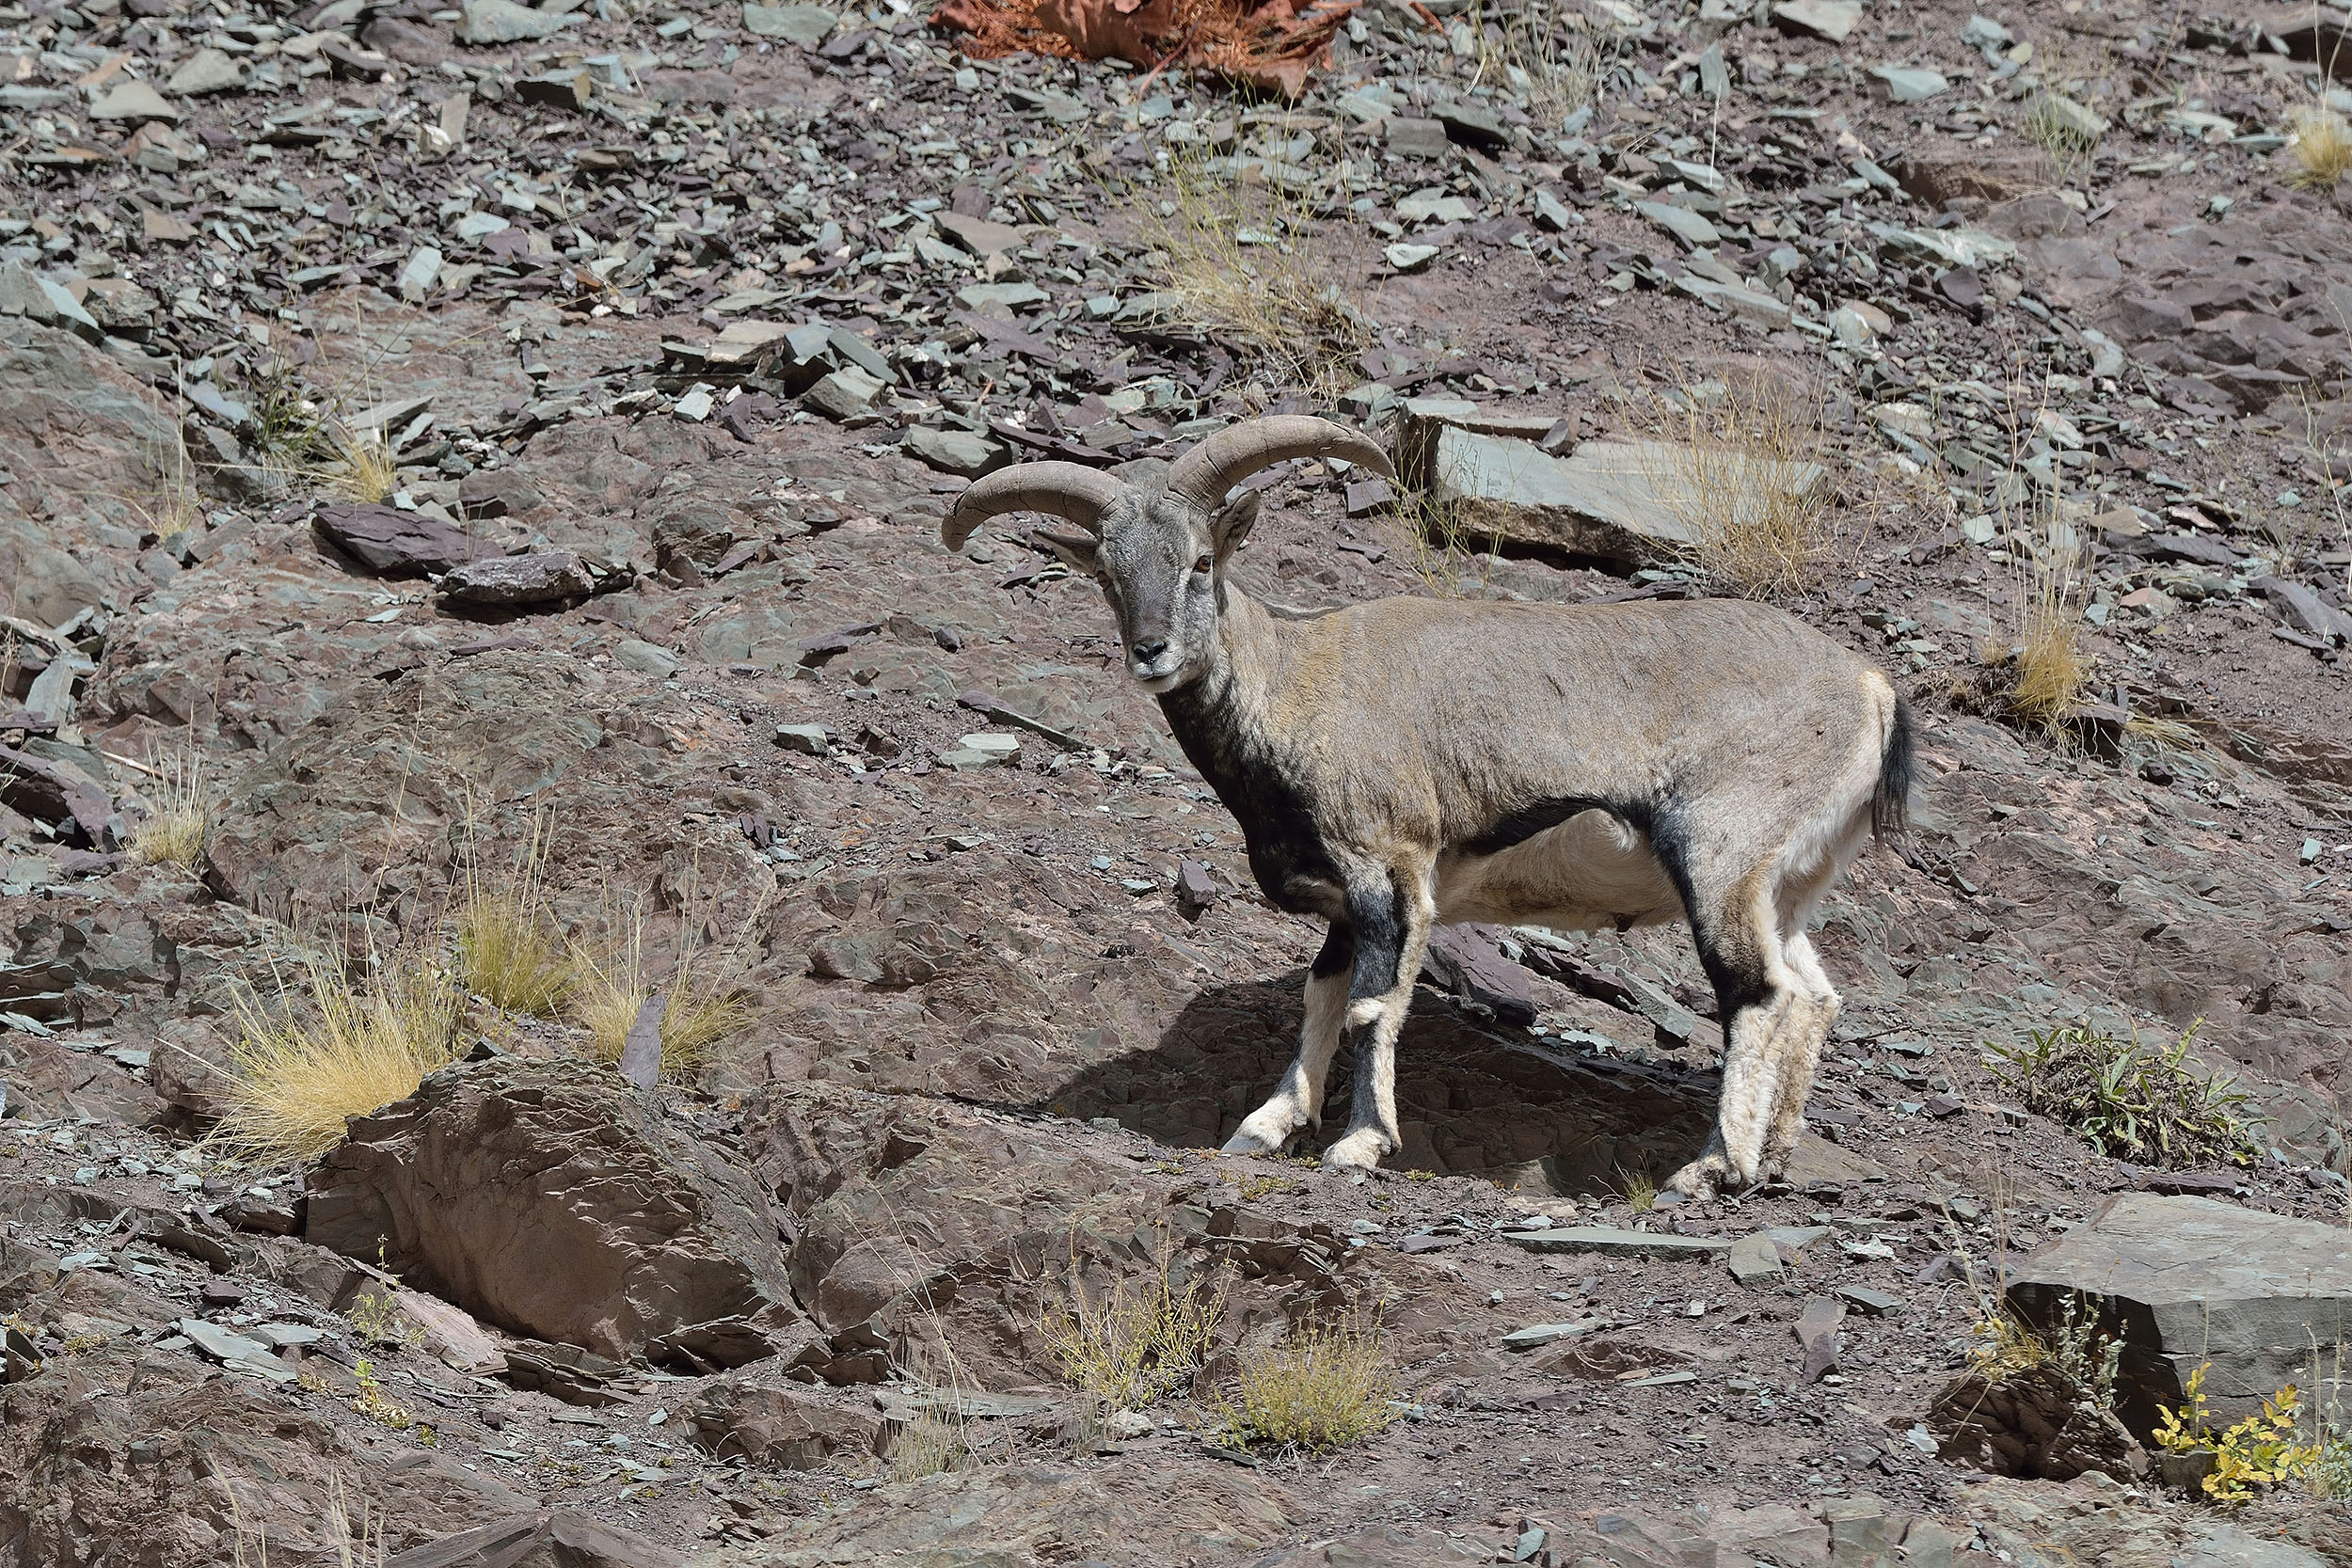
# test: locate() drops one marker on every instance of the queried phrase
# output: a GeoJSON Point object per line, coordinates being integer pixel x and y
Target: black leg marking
{"type": "Point", "coordinates": [1518, 826]}
{"type": "Point", "coordinates": [1733, 966]}
{"type": "Point", "coordinates": [1379, 941]}
{"type": "Point", "coordinates": [1339, 952]}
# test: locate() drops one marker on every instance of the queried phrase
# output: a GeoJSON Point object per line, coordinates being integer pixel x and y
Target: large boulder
{"type": "Point", "coordinates": [2189, 1280]}
{"type": "Point", "coordinates": [555, 1200]}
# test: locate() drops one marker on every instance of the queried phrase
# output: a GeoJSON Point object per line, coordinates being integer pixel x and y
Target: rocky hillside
{"type": "Point", "coordinates": [435, 442]}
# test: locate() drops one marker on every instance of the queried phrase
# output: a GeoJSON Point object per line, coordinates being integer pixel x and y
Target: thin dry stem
{"type": "Point", "coordinates": [181, 811]}
{"type": "Point", "coordinates": [2319, 153]}
{"type": "Point", "coordinates": [1745, 473]}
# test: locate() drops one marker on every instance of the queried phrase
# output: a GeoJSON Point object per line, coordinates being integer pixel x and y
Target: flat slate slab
{"type": "Point", "coordinates": [1611, 1243]}
{"type": "Point", "coordinates": [2189, 1280]}
{"type": "Point", "coordinates": [1625, 500]}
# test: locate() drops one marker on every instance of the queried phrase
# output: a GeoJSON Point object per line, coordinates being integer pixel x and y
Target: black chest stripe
{"type": "Point", "coordinates": [1285, 844]}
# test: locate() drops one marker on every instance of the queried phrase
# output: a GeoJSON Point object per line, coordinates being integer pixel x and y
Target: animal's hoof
{"type": "Point", "coordinates": [1360, 1150]}
{"type": "Point", "coordinates": [1264, 1131]}
{"type": "Point", "coordinates": [1703, 1177]}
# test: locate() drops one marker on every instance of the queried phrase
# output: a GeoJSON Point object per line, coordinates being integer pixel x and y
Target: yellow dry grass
{"type": "Point", "coordinates": [1744, 471]}
{"type": "Point", "coordinates": [326, 1047]}
{"type": "Point", "coordinates": [508, 947]}
{"type": "Point", "coordinates": [610, 984]}
{"type": "Point", "coordinates": [2049, 666]}
{"type": "Point", "coordinates": [1553, 62]}
{"type": "Point", "coordinates": [1250, 266]}
{"type": "Point", "coordinates": [1327, 1385]}
{"type": "Point", "coordinates": [2319, 153]}
{"type": "Point", "coordinates": [363, 470]}
{"type": "Point", "coordinates": [1140, 1339]}
{"type": "Point", "coordinates": [180, 815]}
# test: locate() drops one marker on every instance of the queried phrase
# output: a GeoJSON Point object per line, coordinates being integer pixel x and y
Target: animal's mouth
{"type": "Point", "coordinates": [1161, 675]}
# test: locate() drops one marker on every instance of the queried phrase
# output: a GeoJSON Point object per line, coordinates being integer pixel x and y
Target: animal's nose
{"type": "Point", "coordinates": [1148, 650]}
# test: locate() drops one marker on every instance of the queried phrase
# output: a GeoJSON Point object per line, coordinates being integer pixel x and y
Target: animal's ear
{"type": "Point", "coordinates": [1230, 527]}
{"type": "Point", "coordinates": [1076, 550]}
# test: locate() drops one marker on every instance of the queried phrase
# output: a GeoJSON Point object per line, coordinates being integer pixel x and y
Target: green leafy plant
{"type": "Point", "coordinates": [2127, 1099]}
{"type": "Point", "coordinates": [2259, 1452]}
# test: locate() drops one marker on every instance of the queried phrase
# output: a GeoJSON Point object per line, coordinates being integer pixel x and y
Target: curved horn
{"type": "Point", "coordinates": [1205, 474]}
{"type": "Point", "coordinates": [1058, 489]}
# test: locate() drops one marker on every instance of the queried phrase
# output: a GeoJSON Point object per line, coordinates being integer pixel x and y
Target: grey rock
{"type": "Point", "coordinates": [553, 1199]}
{"type": "Point", "coordinates": [1624, 500]}
{"type": "Point", "coordinates": [979, 236]}
{"type": "Point", "coordinates": [1691, 227]}
{"type": "Point", "coordinates": [2305, 610]}
{"type": "Point", "coordinates": [1472, 123]}
{"type": "Point", "coordinates": [1465, 960]}
{"type": "Point", "coordinates": [1911, 83]}
{"type": "Point", "coordinates": [2190, 1279]}
{"type": "Point", "coordinates": [207, 70]}
{"type": "Point", "coordinates": [1609, 1242]}
{"type": "Point", "coordinates": [806, 25]}
{"type": "Point", "coordinates": [547, 576]}
{"type": "Point", "coordinates": [1536, 1336]}
{"type": "Point", "coordinates": [1834, 20]}
{"type": "Point", "coordinates": [786, 1425]}
{"type": "Point", "coordinates": [955, 451]}
{"type": "Point", "coordinates": [807, 739]}
{"type": "Point", "coordinates": [1405, 257]}
{"type": "Point", "coordinates": [1753, 1258]}
{"type": "Point", "coordinates": [392, 542]}
{"type": "Point", "coordinates": [847, 393]}
{"type": "Point", "coordinates": [505, 22]}
{"type": "Point", "coordinates": [133, 101]}
{"type": "Point", "coordinates": [1001, 299]}
{"type": "Point", "coordinates": [646, 658]}
{"type": "Point", "coordinates": [1817, 1333]}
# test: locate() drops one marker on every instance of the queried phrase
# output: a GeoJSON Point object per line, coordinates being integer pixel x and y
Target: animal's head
{"type": "Point", "coordinates": [1160, 549]}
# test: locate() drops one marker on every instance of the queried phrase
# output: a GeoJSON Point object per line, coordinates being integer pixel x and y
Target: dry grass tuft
{"type": "Point", "coordinates": [1140, 1339]}
{"type": "Point", "coordinates": [508, 947]}
{"type": "Point", "coordinates": [1641, 1190]}
{"type": "Point", "coordinates": [2319, 153]}
{"type": "Point", "coordinates": [1553, 62]}
{"type": "Point", "coordinates": [1747, 478]}
{"type": "Point", "coordinates": [610, 984]}
{"type": "Point", "coordinates": [1327, 1385]}
{"type": "Point", "coordinates": [174, 831]}
{"type": "Point", "coordinates": [931, 1445]}
{"type": "Point", "coordinates": [1249, 264]}
{"type": "Point", "coordinates": [2047, 667]}
{"type": "Point", "coordinates": [327, 1048]}
{"type": "Point", "coordinates": [362, 470]}
{"type": "Point", "coordinates": [1441, 537]}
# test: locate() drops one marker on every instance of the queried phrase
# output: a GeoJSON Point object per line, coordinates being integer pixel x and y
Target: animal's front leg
{"type": "Point", "coordinates": [1298, 1102]}
{"type": "Point", "coordinates": [1392, 922]}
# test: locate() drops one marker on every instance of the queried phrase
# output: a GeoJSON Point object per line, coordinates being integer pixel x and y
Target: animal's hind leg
{"type": "Point", "coordinates": [1298, 1102]}
{"type": "Point", "coordinates": [1763, 1010]}
{"type": "Point", "coordinates": [1799, 1061]}
{"type": "Point", "coordinates": [1392, 932]}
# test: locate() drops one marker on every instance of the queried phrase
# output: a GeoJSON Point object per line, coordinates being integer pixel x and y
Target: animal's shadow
{"type": "Point", "coordinates": [1470, 1100]}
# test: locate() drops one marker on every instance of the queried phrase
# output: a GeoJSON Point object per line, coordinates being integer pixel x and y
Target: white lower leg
{"type": "Point", "coordinates": [1297, 1102]}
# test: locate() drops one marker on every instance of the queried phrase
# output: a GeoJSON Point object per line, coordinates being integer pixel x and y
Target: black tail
{"type": "Point", "coordinates": [1890, 804]}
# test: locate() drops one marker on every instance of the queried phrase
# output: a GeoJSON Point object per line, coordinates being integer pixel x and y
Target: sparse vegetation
{"type": "Point", "coordinates": [326, 1047]}
{"type": "Point", "coordinates": [377, 1317]}
{"type": "Point", "coordinates": [2126, 1100]}
{"type": "Point", "coordinates": [929, 1445]}
{"type": "Point", "coordinates": [1140, 1338]}
{"type": "Point", "coordinates": [1325, 1386]}
{"type": "Point", "coordinates": [1556, 63]}
{"type": "Point", "coordinates": [612, 983]}
{"type": "Point", "coordinates": [2006, 1344]}
{"type": "Point", "coordinates": [179, 813]}
{"type": "Point", "coordinates": [1441, 536]}
{"type": "Point", "coordinates": [2319, 150]}
{"type": "Point", "coordinates": [508, 947]}
{"type": "Point", "coordinates": [1248, 266]}
{"type": "Point", "coordinates": [1641, 1190]}
{"type": "Point", "coordinates": [2257, 1454]}
{"type": "Point", "coordinates": [373, 1403]}
{"type": "Point", "coordinates": [361, 469]}
{"type": "Point", "coordinates": [1743, 470]}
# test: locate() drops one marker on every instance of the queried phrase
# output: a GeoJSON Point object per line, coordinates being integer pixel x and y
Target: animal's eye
{"type": "Point", "coordinates": [1202, 565]}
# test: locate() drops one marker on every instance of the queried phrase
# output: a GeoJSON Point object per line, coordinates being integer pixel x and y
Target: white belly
{"type": "Point", "coordinates": [1589, 872]}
